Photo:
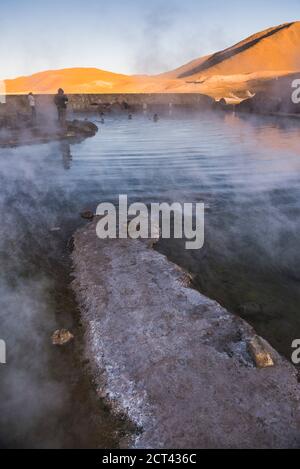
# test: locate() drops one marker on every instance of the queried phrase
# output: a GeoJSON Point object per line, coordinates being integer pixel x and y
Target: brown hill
{"type": "Point", "coordinates": [274, 49]}
{"type": "Point", "coordinates": [75, 80]}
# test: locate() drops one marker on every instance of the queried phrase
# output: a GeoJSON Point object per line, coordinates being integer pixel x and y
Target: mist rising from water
{"type": "Point", "coordinates": [246, 170]}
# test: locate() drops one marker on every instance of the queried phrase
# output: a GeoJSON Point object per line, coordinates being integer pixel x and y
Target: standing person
{"type": "Point", "coordinates": [61, 101]}
{"type": "Point", "coordinates": [31, 101]}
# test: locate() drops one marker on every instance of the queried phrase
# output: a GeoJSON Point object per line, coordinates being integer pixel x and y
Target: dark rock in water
{"type": "Point", "coordinates": [87, 215]}
{"type": "Point", "coordinates": [261, 102]}
{"type": "Point", "coordinates": [85, 127]}
{"type": "Point", "coordinates": [275, 97]}
{"type": "Point", "coordinates": [222, 105]}
{"type": "Point", "coordinates": [222, 102]}
{"type": "Point", "coordinates": [15, 132]}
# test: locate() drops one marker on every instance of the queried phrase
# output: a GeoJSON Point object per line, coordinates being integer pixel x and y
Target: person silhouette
{"type": "Point", "coordinates": [61, 101]}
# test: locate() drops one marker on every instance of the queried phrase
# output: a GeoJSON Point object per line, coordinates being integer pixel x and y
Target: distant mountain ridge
{"type": "Point", "coordinates": [231, 52]}
{"type": "Point", "coordinates": [229, 73]}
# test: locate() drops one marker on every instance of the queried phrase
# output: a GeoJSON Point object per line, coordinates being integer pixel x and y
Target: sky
{"type": "Point", "coordinates": [127, 36]}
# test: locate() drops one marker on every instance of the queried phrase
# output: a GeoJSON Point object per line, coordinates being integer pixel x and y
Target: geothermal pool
{"type": "Point", "coordinates": [247, 172]}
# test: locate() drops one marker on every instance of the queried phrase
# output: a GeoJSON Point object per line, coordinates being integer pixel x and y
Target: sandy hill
{"type": "Point", "coordinates": [233, 73]}
{"type": "Point", "coordinates": [269, 50]}
{"type": "Point", "coordinates": [239, 71]}
{"type": "Point", "coordinates": [74, 80]}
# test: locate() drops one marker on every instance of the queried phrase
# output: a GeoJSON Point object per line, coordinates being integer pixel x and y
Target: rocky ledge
{"type": "Point", "coordinates": [75, 130]}
{"type": "Point", "coordinates": [187, 372]}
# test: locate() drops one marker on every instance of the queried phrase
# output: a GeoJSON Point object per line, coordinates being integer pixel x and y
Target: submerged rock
{"type": "Point", "coordinates": [82, 127]}
{"type": "Point", "coordinates": [62, 337]}
{"type": "Point", "coordinates": [175, 362]}
{"type": "Point", "coordinates": [26, 134]}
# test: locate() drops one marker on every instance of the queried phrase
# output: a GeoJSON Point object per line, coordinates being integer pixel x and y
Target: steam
{"type": "Point", "coordinates": [29, 392]}
{"type": "Point", "coordinates": [37, 384]}
{"type": "Point", "coordinates": [246, 170]}
{"type": "Point", "coordinates": [168, 41]}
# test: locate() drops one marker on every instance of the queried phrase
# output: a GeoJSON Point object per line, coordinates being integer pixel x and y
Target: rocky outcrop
{"type": "Point", "coordinates": [275, 98]}
{"type": "Point", "coordinates": [187, 372]}
{"type": "Point", "coordinates": [85, 128]}
{"type": "Point", "coordinates": [23, 133]}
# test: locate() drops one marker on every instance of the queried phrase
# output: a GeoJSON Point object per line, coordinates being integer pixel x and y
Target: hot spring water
{"type": "Point", "coordinates": [246, 170]}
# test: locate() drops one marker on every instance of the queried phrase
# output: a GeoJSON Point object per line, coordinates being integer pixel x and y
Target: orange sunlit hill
{"type": "Point", "coordinates": [232, 73]}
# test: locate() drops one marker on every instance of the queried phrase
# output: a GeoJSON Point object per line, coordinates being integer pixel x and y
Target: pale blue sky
{"type": "Point", "coordinates": [127, 36]}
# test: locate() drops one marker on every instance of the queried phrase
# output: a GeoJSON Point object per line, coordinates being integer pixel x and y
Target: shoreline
{"type": "Point", "coordinates": [143, 322]}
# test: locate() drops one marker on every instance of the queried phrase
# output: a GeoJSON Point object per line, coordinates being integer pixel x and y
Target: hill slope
{"type": "Point", "coordinates": [269, 50]}
{"type": "Point", "coordinates": [75, 80]}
